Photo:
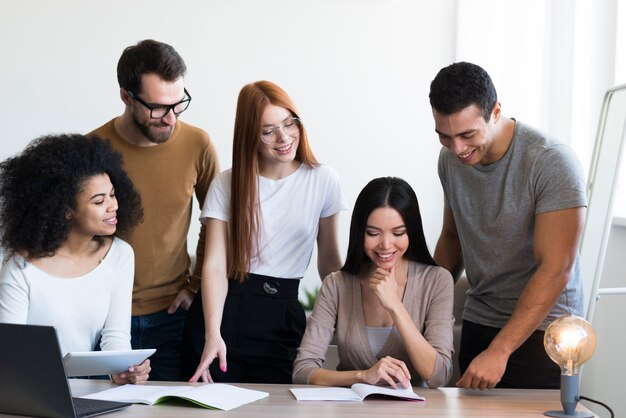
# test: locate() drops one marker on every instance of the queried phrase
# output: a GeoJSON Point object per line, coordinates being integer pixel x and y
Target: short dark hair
{"type": "Point", "coordinates": [38, 186]}
{"type": "Point", "coordinates": [383, 192]}
{"type": "Point", "coordinates": [460, 85]}
{"type": "Point", "coordinates": [148, 57]}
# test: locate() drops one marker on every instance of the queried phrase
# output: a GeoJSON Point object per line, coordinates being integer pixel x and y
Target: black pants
{"type": "Point", "coordinates": [262, 326]}
{"type": "Point", "coordinates": [529, 367]}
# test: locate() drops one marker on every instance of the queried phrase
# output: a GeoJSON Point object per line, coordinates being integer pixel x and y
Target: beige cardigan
{"type": "Point", "coordinates": [428, 299]}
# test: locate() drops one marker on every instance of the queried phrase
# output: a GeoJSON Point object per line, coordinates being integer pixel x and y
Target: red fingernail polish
{"type": "Point", "coordinates": [223, 368]}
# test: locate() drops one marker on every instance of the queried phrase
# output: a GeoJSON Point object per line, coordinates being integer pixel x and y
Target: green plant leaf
{"type": "Point", "coordinates": [309, 298]}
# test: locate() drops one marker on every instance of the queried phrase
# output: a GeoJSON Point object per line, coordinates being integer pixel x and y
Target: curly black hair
{"type": "Point", "coordinates": [38, 186]}
{"type": "Point", "coordinates": [460, 85]}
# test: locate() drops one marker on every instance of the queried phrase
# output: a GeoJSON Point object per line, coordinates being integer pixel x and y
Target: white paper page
{"type": "Point", "coordinates": [325, 394]}
{"type": "Point", "coordinates": [363, 390]}
{"type": "Point", "coordinates": [216, 395]}
{"type": "Point", "coordinates": [222, 396]}
{"type": "Point", "coordinates": [147, 394]}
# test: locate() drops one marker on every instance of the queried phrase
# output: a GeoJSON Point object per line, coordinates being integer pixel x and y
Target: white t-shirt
{"type": "Point", "coordinates": [291, 209]}
{"type": "Point", "coordinates": [82, 308]}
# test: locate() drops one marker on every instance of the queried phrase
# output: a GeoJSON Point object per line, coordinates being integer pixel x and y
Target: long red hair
{"type": "Point", "coordinates": [243, 222]}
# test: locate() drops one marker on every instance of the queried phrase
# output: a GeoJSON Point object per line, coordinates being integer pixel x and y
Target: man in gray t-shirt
{"type": "Point", "coordinates": [513, 216]}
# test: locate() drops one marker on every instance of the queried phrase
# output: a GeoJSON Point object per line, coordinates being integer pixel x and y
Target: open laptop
{"type": "Point", "coordinates": [33, 380]}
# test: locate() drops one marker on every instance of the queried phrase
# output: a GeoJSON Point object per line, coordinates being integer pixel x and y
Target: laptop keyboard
{"type": "Point", "coordinates": [92, 407]}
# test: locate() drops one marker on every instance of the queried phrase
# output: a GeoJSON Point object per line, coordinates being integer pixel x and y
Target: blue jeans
{"type": "Point", "coordinates": [164, 332]}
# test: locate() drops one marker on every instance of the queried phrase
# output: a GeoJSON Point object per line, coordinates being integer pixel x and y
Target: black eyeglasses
{"type": "Point", "coordinates": [159, 111]}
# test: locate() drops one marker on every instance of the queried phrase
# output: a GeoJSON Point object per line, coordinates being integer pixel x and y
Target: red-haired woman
{"type": "Point", "coordinates": [263, 218]}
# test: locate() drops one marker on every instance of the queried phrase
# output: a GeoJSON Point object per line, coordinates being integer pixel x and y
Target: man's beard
{"type": "Point", "coordinates": [156, 138]}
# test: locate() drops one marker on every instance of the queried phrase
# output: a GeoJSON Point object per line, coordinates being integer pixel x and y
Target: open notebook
{"type": "Point", "coordinates": [211, 395]}
{"type": "Point", "coordinates": [356, 393]}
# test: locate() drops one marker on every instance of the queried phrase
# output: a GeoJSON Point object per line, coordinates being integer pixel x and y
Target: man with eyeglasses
{"type": "Point", "coordinates": [168, 161]}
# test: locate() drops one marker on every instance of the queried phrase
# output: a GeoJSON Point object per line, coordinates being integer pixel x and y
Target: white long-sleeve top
{"type": "Point", "coordinates": [82, 309]}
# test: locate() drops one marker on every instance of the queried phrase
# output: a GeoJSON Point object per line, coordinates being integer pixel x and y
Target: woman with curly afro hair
{"type": "Point", "coordinates": [64, 201]}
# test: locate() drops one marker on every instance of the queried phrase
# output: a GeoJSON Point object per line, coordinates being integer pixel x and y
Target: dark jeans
{"type": "Point", "coordinates": [262, 331]}
{"type": "Point", "coordinates": [164, 332]}
{"type": "Point", "coordinates": [529, 367]}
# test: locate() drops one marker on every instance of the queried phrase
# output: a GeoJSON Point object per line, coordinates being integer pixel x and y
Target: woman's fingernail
{"type": "Point", "coordinates": [223, 368]}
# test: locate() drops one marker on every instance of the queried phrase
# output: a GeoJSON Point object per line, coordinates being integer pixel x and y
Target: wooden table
{"type": "Point", "coordinates": [442, 402]}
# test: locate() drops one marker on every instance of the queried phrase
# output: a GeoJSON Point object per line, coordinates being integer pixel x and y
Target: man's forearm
{"type": "Point", "coordinates": [534, 305]}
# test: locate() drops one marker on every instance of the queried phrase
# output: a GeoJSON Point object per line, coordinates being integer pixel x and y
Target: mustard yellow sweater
{"type": "Point", "coordinates": [166, 176]}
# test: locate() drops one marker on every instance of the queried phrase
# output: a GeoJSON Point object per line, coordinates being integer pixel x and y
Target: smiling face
{"type": "Point", "coordinates": [95, 212]}
{"type": "Point", "coordinates": [283, 150]}
{"type": "Point", "coordinates": [468, 136]}
{"type": "Point", "coordinates": [386, 238]}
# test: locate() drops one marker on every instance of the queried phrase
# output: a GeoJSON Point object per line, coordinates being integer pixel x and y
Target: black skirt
{"type": "Point", "coordinates": [262, 326]}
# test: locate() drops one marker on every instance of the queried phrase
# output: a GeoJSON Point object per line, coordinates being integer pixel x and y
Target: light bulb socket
{"type": "Point", "coordinates": [570, 385]}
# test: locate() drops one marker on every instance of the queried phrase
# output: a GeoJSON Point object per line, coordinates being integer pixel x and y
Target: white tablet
{"type": "Point", "coordinates": [97, 363]}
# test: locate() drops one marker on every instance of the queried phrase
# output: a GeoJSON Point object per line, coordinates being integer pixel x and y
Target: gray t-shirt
{"type": "Point", "coordinates": [494, 208]}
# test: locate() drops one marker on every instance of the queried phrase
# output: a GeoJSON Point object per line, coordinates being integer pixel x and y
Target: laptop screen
{"type": "Point", "coordinates": [32, 375]}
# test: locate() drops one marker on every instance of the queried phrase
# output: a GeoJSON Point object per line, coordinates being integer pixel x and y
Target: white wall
{"type": "Point", "coordinates": [603, 376]}
{"type": "Point", "coordinates": [359, 71]}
